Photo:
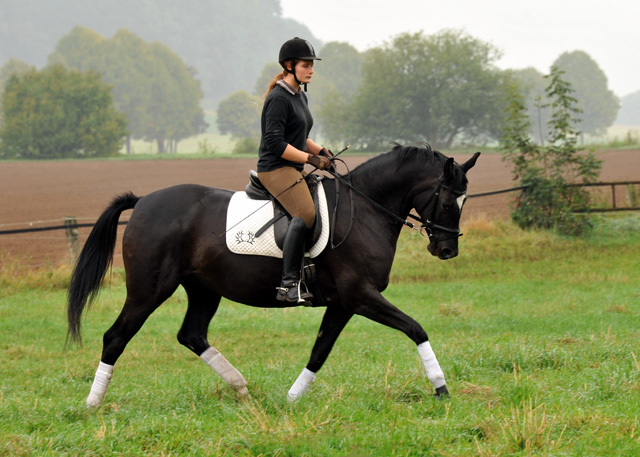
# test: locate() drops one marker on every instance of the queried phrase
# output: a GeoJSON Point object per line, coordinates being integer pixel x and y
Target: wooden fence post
{"type": "Point", "coordinates": [73, 243]}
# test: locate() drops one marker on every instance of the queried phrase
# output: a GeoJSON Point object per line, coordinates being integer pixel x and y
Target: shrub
{"type": "Point", "coordinates": [550, 175]}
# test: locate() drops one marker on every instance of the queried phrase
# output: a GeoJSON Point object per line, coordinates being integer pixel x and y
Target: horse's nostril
{"type": "Point", "coordinates": [447, 253]}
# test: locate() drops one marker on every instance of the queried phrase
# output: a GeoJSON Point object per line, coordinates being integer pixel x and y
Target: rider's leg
{"type": "Point", "coordinates": [291, 288]}
{"type": "Point", "coordinates": [297, 200]}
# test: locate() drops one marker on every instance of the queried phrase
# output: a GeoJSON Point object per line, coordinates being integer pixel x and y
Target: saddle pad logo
{"type": "Point", "coordinates": [246, 216]}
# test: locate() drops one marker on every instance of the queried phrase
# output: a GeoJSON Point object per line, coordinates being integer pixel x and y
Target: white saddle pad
{"type": "Point", "coordinates": [246, 216]}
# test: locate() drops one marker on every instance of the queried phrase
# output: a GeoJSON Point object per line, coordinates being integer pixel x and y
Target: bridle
{"type": "Point", "coordinates": [427, 225]}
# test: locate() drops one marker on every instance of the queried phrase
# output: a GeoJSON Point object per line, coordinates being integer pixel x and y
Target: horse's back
{"type": "Point", "coordinates": [177, 203]}
{"type": "Point", "coordinates": [174, 218]}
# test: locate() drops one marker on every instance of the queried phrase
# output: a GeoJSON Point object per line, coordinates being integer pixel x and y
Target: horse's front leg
{"type": "Point", "coordinates": [334, 320]}
{"type": "Point", "coordinates": [380, 310]}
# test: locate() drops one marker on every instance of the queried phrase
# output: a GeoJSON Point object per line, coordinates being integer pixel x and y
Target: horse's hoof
{"type": "Point", "coordinates": [243, 392]}
{"type": "Point", "coordinates": [93, 401]}
{"type": "Point", "coordinates": [442, 393]}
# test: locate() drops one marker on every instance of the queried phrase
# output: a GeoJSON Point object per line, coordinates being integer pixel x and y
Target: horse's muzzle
{"type": "Point", "coordinates": [443, 250]}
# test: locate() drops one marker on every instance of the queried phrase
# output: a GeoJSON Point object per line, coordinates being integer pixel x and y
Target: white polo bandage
{"type": "Point", "coordinates": [100, 385]}
{"type": "Point", "coordinates": [220, 365]}
{"type": "Point", "coordinates": [434, 372]}
{"type": "Point", "coordinates": [301, 385]}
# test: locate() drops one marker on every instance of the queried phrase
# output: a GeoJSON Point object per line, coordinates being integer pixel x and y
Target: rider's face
{"type": "Point", "coordinates": [304, 70]}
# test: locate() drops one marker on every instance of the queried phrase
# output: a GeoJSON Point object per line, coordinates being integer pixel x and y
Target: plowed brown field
{"type": "Point", "coordinates": [37, 194]}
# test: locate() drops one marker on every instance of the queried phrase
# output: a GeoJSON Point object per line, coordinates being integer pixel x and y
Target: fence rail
{"type": "Point", "coordinates": [68, 225]}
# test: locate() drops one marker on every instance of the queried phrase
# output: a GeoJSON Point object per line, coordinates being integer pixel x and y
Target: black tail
{"type": "Point", "coordinates": [95, 259]}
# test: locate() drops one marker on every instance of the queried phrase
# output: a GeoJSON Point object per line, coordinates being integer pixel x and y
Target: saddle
{"type": "Point", "coordinates": [257, 223]}
{"type": "Point", "coordinates": [256, 191]}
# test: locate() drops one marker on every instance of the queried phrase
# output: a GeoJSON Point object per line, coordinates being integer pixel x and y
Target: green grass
{"type": "Point", "coordinates": [538, 337]}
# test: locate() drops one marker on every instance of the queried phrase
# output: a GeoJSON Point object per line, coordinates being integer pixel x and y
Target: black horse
{"type": "Point", "coordinates": [173, 238]}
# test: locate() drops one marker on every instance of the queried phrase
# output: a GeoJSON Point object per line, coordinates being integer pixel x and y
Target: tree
{"type": "Point", "coordinates": [13, 67]}
{"type": "Point", "coordinates": [269, 71]}
{"type": "Point", "coordinates": [629, 113]}
{"type": "Point", "coordinates": [239, 115]}
{"type": "Point", "coordinates": [228, 42]}
{"type": "Point", "coordinates": [439, 88]}
{"type": "Point", "coordinates": [151, 84]}
{"type": "Point", "coordinates": [531, 84]}
{"type": "Point", "coordinates": [549, 174]}
{"type": "Point", "coordinates": [60, 113]}
{"type": "Point", "coordinates": [335, 83]}
{"type": "Point", "coordinates": [598, 104]}
{"type": "Point", "coordinates": [341, 67]}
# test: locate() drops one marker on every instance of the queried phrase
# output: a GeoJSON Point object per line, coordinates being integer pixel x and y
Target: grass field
{"type": "Point", "coordinates": [539, 338]}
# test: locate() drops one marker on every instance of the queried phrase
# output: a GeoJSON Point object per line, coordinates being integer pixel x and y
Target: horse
{"type": "Point", "coordinates": [173, 239]}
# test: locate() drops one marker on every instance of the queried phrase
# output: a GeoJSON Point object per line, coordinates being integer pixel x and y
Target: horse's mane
{"type": "Point", "coordinates": [417, 155]}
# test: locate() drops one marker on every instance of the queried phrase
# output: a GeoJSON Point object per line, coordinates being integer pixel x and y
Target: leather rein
{"type": "Point", "coordinates": [427, 225]}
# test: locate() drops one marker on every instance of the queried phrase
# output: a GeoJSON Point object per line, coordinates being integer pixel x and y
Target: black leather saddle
{"type": "Point", "coordinates": [256, 191]}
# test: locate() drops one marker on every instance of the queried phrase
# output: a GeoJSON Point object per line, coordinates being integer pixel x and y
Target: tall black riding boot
{"type": "Point", "coordinates": [290, 289]}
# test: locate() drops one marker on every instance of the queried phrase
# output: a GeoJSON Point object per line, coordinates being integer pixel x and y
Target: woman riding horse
{"type": "Point", "coordinates": [285, 147]}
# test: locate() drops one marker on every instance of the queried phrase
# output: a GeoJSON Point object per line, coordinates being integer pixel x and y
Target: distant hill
{"type": "Point", "coordinates": [227, 42]}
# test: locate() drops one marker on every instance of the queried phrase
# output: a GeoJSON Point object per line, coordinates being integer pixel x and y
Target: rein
{"type": "Point", "coordinates": [428, 225]}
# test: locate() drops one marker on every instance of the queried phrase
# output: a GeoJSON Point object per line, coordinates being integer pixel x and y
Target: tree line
{"type": "Point", "coordinates": [93, 87]}
{"type": "Point", "coordinates": [443, 88]}
{"type": "Point", "coordinates": [227, 42]}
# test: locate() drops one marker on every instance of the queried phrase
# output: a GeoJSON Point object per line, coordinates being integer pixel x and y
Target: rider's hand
{"type": "Point", "coordinates": [326, 153]}
{"type": "Point", "coordinates": [320, 162]}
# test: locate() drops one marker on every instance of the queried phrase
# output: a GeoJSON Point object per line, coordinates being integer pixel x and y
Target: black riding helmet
{"type": "Point", "coordinates": [296, 49]}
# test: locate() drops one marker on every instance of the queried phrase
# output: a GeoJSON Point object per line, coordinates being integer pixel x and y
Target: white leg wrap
{"type": "Point", "coordinates": [301, 385]}
{"type": "Point", "coordinates": [100, 385]}
{"type": "Point", "coordinates": [220, 365]}
{"type": "Point", "coordinates": [434, 372]}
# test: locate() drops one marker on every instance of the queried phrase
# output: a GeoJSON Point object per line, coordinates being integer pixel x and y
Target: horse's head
{"type": "Point", "coordinates": [441, 208]}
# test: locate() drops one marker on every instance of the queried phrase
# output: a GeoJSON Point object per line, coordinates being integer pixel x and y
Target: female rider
{"type": "Point", "coordinates": [285, 147]}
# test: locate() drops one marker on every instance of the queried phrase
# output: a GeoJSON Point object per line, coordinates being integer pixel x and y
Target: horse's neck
{"type": "Point", "coordinates": [391, 190]}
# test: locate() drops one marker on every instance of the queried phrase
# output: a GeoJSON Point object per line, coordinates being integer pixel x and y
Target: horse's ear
{"type": "Point", "coordinates": [448, 166]}
{"type": "Point", "coordinates": [470, 163]}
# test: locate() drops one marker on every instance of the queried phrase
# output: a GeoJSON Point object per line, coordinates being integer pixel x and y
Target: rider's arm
{"type": "Point", "coordinates": [294, 154]}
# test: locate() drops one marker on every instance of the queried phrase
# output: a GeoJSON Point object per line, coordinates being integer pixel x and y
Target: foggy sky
{"type": "Point", "coordinates": [529, 34]}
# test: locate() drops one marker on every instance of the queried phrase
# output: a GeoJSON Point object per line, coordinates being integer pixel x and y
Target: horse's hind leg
{"type": "Point", "coordinates": [140, 303]}
{"type": "Point", "coordinates": [203, 304]}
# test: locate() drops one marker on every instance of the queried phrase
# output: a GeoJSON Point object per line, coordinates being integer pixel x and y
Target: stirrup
{"type": "Point", "coordinates": [300, 297]}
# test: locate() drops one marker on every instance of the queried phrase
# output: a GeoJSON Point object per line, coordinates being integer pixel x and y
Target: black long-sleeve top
{"type": "Point", "coordinates": [286, 119]}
